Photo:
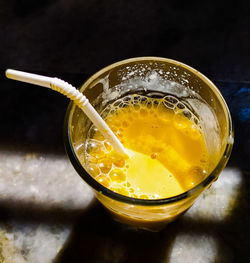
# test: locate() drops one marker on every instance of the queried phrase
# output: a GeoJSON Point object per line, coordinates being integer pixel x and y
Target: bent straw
{"type": "Point", "coordinates": [79, 99]}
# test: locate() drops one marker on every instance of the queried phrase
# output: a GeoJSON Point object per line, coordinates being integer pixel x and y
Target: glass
{"type": "Point", "coordinates": [199, 92]}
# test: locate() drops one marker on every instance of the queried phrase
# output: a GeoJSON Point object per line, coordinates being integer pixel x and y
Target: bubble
{"type": "Point", "coordinates": [117, 175]}
{"type": "Point", "coordinates": [168, 105]}
{"type": "Point", "coordinates": [149, 104]}
{"type": "Point", "coordinates": [91, 146]}
{"type": "Point", "coordinates": [104, 180]}
{"type": "Point", "coordinates": [187, 114]}
{"type": "Point", "coordinates": [117, 103]}
{"type": "Point", "coordinates": [108, 146]}
{"type": "Point", "coordinates": [94, 170]}
{"type": "Point", "coordinates": [180, 106]}
{"type": "Point", "coordinates": [123, 191]}
{"type": "Point", "coordinates": [170, 99]}
{"type": "Point", "coordinates": [127, 99]}
{"type": "Point", "coordinates": [80, 149]}
{"type": "Point", "coordinates": [131, 190]}
{"type": "Point", "coordinates": [155, 103]}
{"type": "Point", "coordinates": [196, 121]}
{"type": "Point", "coordinates": [143, 196]}
{"type": "Point", "coordinates": [105, 165]}
{"type": "Point", "coordinates": [99, 136]}
{"type": "Point", "coordinates": [94, 148]}
{"type": "Point", "coordinates": [120, 162]}
{"type": "Point", "coordinates": [143, 100]}
{"type": "Point", "coordinates": [120, 190]}
{"type": "Point", "coordinates": [153, 155]}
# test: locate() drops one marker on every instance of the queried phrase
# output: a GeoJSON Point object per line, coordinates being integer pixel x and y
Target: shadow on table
{"type": "Point", "coordinates": [97, 238]}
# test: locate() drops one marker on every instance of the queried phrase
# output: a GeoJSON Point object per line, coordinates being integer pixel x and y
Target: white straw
{"type": "Point", "coordinates": [79, 99]}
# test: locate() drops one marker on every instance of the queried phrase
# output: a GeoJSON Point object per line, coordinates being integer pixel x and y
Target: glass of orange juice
{"type": "Point", "coordinates": [175, 126]}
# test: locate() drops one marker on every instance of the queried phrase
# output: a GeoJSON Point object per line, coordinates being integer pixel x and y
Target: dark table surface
{"type": "Point", "coordinates": [74, 39]}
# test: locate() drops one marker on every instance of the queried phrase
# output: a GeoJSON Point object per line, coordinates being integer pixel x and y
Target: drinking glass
{"type": "Point", "coordinates": [182, 81]}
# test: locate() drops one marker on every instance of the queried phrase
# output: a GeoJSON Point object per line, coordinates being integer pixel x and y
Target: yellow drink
{"type": "Point", "coordinates": [166, 148]}
{"type": "Point", "coordinates": [177, 131]}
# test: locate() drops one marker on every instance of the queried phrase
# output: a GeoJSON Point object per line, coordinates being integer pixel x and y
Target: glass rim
{"type": "Point", "coordinates": [148, 202]}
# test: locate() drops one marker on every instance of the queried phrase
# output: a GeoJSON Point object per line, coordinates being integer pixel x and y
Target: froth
{"type": "Point", "coordinates": [142, 104]}
{"type": "Point", "coordinates": [110, 169]}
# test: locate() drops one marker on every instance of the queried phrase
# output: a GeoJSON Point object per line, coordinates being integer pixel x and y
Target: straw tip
{"type": "Point", "coordinates": [8, 73]}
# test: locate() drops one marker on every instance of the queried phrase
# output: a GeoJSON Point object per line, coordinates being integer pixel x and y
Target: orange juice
{"type": "Point", "coordinates": [165, 144]}
{"type": "Point", "coordinates": [175, 126]}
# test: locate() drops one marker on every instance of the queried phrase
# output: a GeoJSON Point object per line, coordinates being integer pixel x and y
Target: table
{"type": "Point", "coordinates": [48, 214]}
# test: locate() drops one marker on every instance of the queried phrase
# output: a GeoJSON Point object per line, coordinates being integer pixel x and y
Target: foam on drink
{"type": "Point", "coordinates": [165, 143]}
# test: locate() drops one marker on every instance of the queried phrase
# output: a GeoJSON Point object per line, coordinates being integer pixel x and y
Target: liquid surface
{"type": "Point", "coordinates": [166, 148]}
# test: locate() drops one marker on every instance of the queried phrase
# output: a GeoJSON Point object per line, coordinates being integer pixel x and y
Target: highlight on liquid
{"type": "Point", "coordinates": [165, 143]}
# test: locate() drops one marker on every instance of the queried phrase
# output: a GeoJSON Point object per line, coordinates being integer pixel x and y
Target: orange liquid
{"type": "Point", "coordinates": [166, 148]}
